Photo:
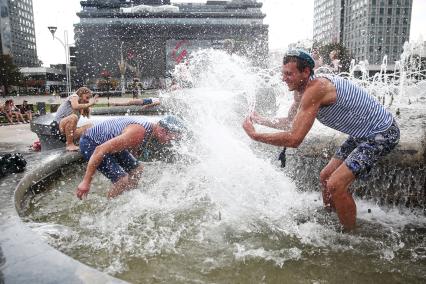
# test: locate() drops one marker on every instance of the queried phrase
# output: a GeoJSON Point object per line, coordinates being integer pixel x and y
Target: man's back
{"type": "Point", "coordinates": [354, 112]}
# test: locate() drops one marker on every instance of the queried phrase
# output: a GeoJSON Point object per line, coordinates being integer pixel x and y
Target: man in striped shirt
{"type": "Point", "coordinates": [107, 145]}
{"type": "Point", "coordinates": [341, 105]}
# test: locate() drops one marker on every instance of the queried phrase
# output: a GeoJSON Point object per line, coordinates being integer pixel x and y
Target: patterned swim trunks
{"type": "Point", "coordinates": [361, 154]}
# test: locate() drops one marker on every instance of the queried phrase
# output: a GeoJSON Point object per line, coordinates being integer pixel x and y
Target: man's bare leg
{"type": "Point", "coordinates": [29, 116]}
{"type": "Point", "coordinates": [338, 185]}
{"type": "Point", "coordinates": [135, 176]}
{"type": "Point", "coordinates": [19, 117]}
{"type": "Point", "coordinates": [81, 130]}
{"type": "Point", "coordinates": [118, 187]}
{"type": "Point", "coordinates": [127, 182]}
{"type": "Point", "coordinates": [9, 117]}
{"type": "Point", "coordinates": [325, 174]}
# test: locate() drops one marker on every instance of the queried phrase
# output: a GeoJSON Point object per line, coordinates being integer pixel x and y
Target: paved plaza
{"type": "Point", "coordinates": [16, 138]}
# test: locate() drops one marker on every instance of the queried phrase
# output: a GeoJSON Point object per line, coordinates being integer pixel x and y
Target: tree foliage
{"type": "Point", "coordinates": [9, 73]}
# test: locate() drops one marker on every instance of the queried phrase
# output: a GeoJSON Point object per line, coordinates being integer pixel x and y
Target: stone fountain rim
{"type": "Point", "coordinates": [24, 256]}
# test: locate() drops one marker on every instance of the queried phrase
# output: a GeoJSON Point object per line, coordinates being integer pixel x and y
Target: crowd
{"type": "Point", "coordinates": [334, 65]}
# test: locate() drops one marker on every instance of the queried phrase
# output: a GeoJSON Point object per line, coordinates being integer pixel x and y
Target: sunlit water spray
{"type": "Point", "coordinates": [224, 212]}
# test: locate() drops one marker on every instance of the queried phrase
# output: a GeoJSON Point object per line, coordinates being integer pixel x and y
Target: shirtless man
{"type": "Point", "coordinates": [340, 104]}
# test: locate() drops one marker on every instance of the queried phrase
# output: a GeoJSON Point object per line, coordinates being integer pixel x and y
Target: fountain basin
{"type": "Point", "coordinates": [272, 247]}
{"type": "Point", "coordinates": [277, 257]}
{"type": "Point", "coordinates": [25, 257]}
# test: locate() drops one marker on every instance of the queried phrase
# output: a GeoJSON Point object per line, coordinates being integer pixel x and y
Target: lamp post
{"type": "Point", "coordinates": [64, 43]}
{"type": "Point", "coordinates": [122, 68]}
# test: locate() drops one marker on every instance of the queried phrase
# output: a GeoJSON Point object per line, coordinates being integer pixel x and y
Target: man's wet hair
{"type": "Point", "coordinates": [302, 58]}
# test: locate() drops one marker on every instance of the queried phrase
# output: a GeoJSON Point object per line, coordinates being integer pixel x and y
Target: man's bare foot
{"type": "Point", "coordinates": [72, 148]}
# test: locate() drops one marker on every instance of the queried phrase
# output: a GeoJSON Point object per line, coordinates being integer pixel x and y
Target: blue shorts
{"type": "Point", "coordinates": [361, 154]}
{"type": "Point", "coordinates": [113, 166]}
{"type": "Point", "coordinates": [147, 101]}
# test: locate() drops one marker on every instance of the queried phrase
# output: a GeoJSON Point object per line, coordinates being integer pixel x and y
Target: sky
{"type": "Point", "coordinates": [282, 16]}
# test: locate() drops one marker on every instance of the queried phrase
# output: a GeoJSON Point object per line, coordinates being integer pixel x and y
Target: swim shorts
{"type": "Point", "coordinates": [113, 166]}
{"type": "Point", "coordinates": [361, 154]}
{"type": "Point", "coordinates": [147, 101]}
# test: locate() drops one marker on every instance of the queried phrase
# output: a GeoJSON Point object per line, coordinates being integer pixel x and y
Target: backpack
{"type": "Point", "coordinates": [12, 163]}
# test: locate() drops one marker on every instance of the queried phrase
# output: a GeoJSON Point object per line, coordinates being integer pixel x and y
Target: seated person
{"type": "Point", "coordinates": [108, 148]}
{"type": "Point", "coordinates": [68, 114]}
{"type": "Point", "coordinates": [26, 110]}
{"type": "Point", "coordinates": [12, 111]}
{"type": "Point", "coordinates": [2, 110]}
{"type": "Point", "coordinates": [145, 103]}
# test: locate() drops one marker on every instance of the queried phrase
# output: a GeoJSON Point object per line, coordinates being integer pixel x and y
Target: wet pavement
{"type": "Point", "coordinates": [16, 138]}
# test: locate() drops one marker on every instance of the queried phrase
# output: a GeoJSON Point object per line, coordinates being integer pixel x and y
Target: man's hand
{"type": "Point", "coordinates": [256, 118]}
{"type": "Point", "coordinates": [248, 127]}
{"type": "Point", "coordinates": [82, 190]}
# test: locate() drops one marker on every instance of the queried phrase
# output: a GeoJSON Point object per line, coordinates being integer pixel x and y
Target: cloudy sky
{"type": "Point", "coordinates": [289, 21]}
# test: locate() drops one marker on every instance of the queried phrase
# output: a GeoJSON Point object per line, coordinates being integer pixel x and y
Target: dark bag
{"type": "Point", "coordinates": [12, 163]}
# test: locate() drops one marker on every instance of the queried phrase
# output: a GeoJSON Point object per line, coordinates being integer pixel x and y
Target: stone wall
{"type": "Point", "coordinates": [399, 178]}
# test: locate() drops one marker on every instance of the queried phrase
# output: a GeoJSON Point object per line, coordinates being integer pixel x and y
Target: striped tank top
{"type": "Point", "coordinates": [65, 109]}
{"type": "Point", "coordinates": [108, 129]}
{"type": "Point", "coordinates": [355, 112]}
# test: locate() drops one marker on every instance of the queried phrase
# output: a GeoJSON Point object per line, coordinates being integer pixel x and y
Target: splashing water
{"type": "Point", "coordinates": [225, 212]}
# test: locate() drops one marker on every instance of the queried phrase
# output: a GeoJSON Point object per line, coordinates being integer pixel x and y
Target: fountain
{"type": "Point", "coordinates": [225, 211]}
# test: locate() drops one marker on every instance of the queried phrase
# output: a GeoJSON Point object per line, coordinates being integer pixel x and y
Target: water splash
{"type": "Point", "coordinates": [225, 206]}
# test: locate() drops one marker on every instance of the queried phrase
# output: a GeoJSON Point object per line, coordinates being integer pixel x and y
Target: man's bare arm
{"type": "Point", "coordinates": [302, 123]}
{"type": "Point", "coordinates": [134, 102]}
{"type": "Point", "coordinates": [77, 106]}
{"type": "Point", "coordinates": [283, 123]}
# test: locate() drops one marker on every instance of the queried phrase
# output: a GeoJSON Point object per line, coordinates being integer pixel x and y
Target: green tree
{"type": "Point", "coordinates": [343, 54]}
{"type": "Point", "coordinates": [9, 73]}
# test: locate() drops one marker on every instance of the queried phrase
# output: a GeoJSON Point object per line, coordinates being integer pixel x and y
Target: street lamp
{"type": "Point", "coordinates": [67, 57]}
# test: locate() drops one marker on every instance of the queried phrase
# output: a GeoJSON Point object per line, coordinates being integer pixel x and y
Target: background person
{"type": "Point", "coordinates": [145, 103]}
{"type": "Point", "coordinates": [335, 61]}
{"type": "Point", "coordinates": [107, 147]}
{"type": "Point", "coordinates": [68, 114]}
{"type": "Point", "coordinates": [317, 59]}
{"type": "Point", "coordinates": [340, 104]}
{"type": "Point", "coordinates": [12, 111]}
{"type": "Point", "coordinates": [26, 110]}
